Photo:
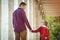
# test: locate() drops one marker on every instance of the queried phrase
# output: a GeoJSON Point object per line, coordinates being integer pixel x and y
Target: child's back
{"type": "Point", "coordinates": [44, 32]}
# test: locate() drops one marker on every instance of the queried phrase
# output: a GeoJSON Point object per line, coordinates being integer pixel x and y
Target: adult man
{"type": "Point", "coordinates": [19, 22]}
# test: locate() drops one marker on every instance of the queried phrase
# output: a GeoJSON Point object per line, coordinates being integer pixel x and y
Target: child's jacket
{"type": "Point", "coordinates": [44, 32]}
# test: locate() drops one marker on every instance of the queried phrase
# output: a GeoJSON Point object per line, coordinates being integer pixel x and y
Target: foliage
{"type": "Point", "coordinates": [54, 25]}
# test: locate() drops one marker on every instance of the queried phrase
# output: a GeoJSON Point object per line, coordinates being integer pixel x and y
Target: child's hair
{"type": "Point", "coordinates": [44, 22]}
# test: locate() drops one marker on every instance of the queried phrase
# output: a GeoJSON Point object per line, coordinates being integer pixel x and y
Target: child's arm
{"type": "Point", "coordinates": [37, 30]}
{"type": "Point", "coordinates": [34, 31]}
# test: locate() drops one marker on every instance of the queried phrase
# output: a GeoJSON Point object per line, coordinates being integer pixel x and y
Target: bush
{"type": "Point", "coordinates": [54, 25]}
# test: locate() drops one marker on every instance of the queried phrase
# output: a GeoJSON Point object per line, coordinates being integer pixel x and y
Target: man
{"type": "Point", "coordinates": [20, 21]}
{"type": "Point", "coordinates": [43, 30]}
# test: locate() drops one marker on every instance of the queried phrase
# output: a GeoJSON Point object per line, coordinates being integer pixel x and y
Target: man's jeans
{"type": "Point", "coordinates": [22, 35]}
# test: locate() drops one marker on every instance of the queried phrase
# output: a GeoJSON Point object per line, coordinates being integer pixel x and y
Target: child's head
{"type": "Point", "coordinates": [44, 22]}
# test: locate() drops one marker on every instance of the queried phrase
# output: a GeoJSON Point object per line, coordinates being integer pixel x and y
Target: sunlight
{"type": "Point", "coordinates": [4, 20]}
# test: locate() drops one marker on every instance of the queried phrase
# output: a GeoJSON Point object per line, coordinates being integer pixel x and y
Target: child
{"type": "Point", "coordinates": [44, 31]}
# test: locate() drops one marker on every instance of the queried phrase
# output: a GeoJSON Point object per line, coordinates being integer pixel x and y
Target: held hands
{"type": "Point", "coordinates": [31, 30]}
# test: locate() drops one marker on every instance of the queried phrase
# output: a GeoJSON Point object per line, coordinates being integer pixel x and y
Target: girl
{"type": "Point", "coordinates": [43, 30]}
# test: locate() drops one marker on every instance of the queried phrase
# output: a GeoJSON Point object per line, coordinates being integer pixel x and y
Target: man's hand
{"type": "Point", "coordinates": [31, 30]}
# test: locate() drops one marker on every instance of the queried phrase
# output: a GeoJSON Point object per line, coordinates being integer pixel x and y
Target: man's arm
{"type": "Point", "coordinates": [26, 20]}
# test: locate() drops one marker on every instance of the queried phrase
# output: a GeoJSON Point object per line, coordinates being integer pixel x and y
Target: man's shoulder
{"type": "Point", "coordinates": [18, 10]}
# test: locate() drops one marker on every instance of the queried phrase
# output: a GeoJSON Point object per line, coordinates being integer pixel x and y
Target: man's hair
{"type": "Point", "coordinates": [22, 3]}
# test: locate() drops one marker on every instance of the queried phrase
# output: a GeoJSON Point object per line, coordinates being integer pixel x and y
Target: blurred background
{"type": "Point", "coordinates": [37, 10]}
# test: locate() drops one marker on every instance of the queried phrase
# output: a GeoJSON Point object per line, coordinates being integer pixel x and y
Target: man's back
{"type": "Point", "coordinates": [18, 21]}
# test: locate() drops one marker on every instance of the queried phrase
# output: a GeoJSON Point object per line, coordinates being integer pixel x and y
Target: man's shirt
{"type": "Point", "coordinates": [20, 20]}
